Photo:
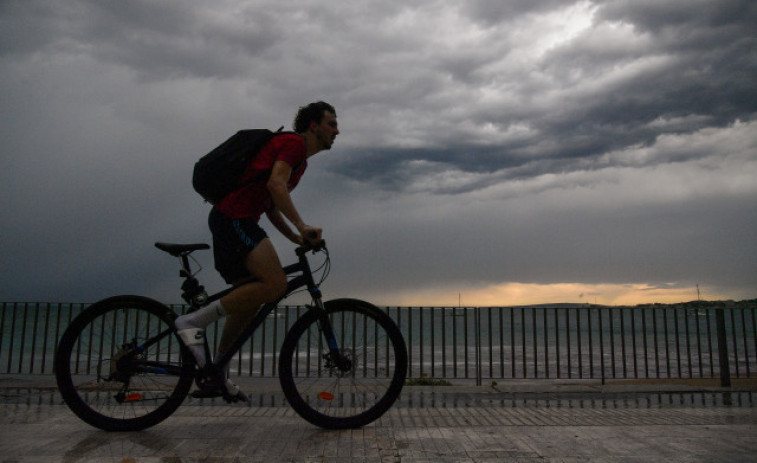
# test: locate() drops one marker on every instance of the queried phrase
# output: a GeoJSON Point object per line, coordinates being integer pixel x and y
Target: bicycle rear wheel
{"type": "Point", "coordinates": [120, 366]}
{"type": "Point", "coordinates": [334, 398]}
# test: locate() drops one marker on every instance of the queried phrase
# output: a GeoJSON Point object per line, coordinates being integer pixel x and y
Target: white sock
{"type": "Point", "coordinates": [197, 321]}
{"type": "Point", "coordinates": [202, 317]}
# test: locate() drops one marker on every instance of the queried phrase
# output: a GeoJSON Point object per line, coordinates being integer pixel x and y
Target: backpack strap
{"type": "Point", "coordinates": [265, 174]}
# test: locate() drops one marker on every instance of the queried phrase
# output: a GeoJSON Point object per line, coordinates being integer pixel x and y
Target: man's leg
{"type": "Point", "coordinates": [243, 303]}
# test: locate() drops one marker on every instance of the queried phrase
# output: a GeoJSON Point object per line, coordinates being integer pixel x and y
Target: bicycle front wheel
{"type": "Point", "coordinates": [335, 397]}
{"type": "Point", "coordinates": [120, 366]}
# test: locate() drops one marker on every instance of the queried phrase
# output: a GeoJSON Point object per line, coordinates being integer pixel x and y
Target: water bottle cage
{"type": "Point", "coordinates": [193, 292]}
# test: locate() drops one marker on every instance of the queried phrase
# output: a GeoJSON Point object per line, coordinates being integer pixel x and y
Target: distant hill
{"type": "Point", "coordinates": [745, 304]}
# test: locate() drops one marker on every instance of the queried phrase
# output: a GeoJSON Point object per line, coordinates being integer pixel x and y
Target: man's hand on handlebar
{"type": "Point", "coordinates": [311, 236]}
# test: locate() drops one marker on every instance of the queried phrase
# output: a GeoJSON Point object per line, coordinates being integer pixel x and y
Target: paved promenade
{"type": "Point", "coordinates": [512, 422]}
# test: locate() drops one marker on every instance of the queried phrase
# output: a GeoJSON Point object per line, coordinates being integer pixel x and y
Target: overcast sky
{"type": "Point", "coordinates": [492, 152]}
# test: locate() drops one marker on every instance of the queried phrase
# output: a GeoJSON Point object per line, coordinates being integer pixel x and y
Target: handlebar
{"type": "Point", "coordinates": [307, 247]}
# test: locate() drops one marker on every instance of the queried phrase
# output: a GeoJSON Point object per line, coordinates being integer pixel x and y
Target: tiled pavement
{"type": "Point", "coordinates": [459, 424]}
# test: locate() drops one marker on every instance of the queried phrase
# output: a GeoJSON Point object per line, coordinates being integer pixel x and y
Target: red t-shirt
{"type": "Point", "coordinates": [254, 198]}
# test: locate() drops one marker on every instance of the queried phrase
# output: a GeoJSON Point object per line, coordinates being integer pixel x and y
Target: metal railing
{"type": "Point", "coordinates": [599, 343]}
{"type": "Point", "coordinates": [605, 343]}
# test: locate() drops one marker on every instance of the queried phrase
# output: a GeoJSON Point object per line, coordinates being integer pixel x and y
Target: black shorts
{"type": "Point", "coordinates": [233, 239]}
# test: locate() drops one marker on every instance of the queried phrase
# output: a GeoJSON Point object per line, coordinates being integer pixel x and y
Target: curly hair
{"type": "Point", "coordinates": [311, 113]}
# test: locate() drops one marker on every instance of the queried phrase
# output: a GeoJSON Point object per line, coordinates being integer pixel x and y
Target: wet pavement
{"type": "Point", "coordinates": [538, 421]}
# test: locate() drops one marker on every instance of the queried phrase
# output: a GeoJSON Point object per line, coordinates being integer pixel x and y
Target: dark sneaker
{"type": "Point", "coordinates": [233, 393]}
{"type": "Point", "coordinates": [228, 390]}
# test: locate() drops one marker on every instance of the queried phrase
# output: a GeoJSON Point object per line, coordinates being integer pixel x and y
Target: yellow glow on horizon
{"type": "Point", "coordinates": [513, 294]}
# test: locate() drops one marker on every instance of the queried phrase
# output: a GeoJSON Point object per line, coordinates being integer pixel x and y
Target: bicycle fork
{"type": "Point", "coordinates": [336, 357]}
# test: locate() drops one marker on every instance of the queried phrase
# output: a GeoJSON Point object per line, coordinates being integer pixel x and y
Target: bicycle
{"type": "Point", "coordinates": [121, 367]}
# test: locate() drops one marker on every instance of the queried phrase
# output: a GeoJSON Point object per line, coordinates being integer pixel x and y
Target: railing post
{"type": "Point", "coordinates": [601, 345]}
{"type": "Point", "coordinates": [725, 371]}
{"type": "Point", "coordinates": [477, 321]}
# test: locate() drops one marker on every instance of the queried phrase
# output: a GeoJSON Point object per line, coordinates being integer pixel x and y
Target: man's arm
{"type": "Point", "coordinates": [281, 225]}
{"type": "Point", "coordinates": [277, 186]}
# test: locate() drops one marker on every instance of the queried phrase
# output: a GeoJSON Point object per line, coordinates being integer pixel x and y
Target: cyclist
{"type": "Point", "coordinates": [242, 249]}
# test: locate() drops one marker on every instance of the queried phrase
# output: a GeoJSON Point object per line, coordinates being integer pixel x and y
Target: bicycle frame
{"type": "Point", "coordinates": [195, 294]}
{"type": "Point", "coordinates": [305, 279]}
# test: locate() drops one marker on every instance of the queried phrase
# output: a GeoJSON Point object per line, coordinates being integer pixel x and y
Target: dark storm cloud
{"type": "Point", "coordinates": [482, 142]}
{"type": "Point", "coordinates": [493, 12]}
{"type": "Point", "coordinates": [692, 17]}
{"type": "Point", "coordinates": [157, 40]}
{"type": "Point", "coordinates": [642, 71]}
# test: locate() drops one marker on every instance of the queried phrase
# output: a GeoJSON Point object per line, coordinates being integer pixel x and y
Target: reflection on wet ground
{"type": "Point", "coordinates": [413, 397]}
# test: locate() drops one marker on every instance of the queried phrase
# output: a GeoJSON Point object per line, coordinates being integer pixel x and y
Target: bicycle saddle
{"type": "Point", "coordinates": [178, 250]}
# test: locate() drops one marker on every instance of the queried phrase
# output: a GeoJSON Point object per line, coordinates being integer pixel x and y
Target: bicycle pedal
{"type": "Point", "coordinates": [200, 394]}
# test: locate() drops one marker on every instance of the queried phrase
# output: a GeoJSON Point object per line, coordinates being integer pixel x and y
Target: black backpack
{"type": "Point", "coordinates": [219, 172]}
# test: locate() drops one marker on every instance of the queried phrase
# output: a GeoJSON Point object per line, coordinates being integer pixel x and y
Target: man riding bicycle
{"type": "Point", "coordinates": [242, 249]}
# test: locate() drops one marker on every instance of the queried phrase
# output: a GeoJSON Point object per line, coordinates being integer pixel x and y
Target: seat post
{"type": "Point", "coordinates": [185, 272]}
